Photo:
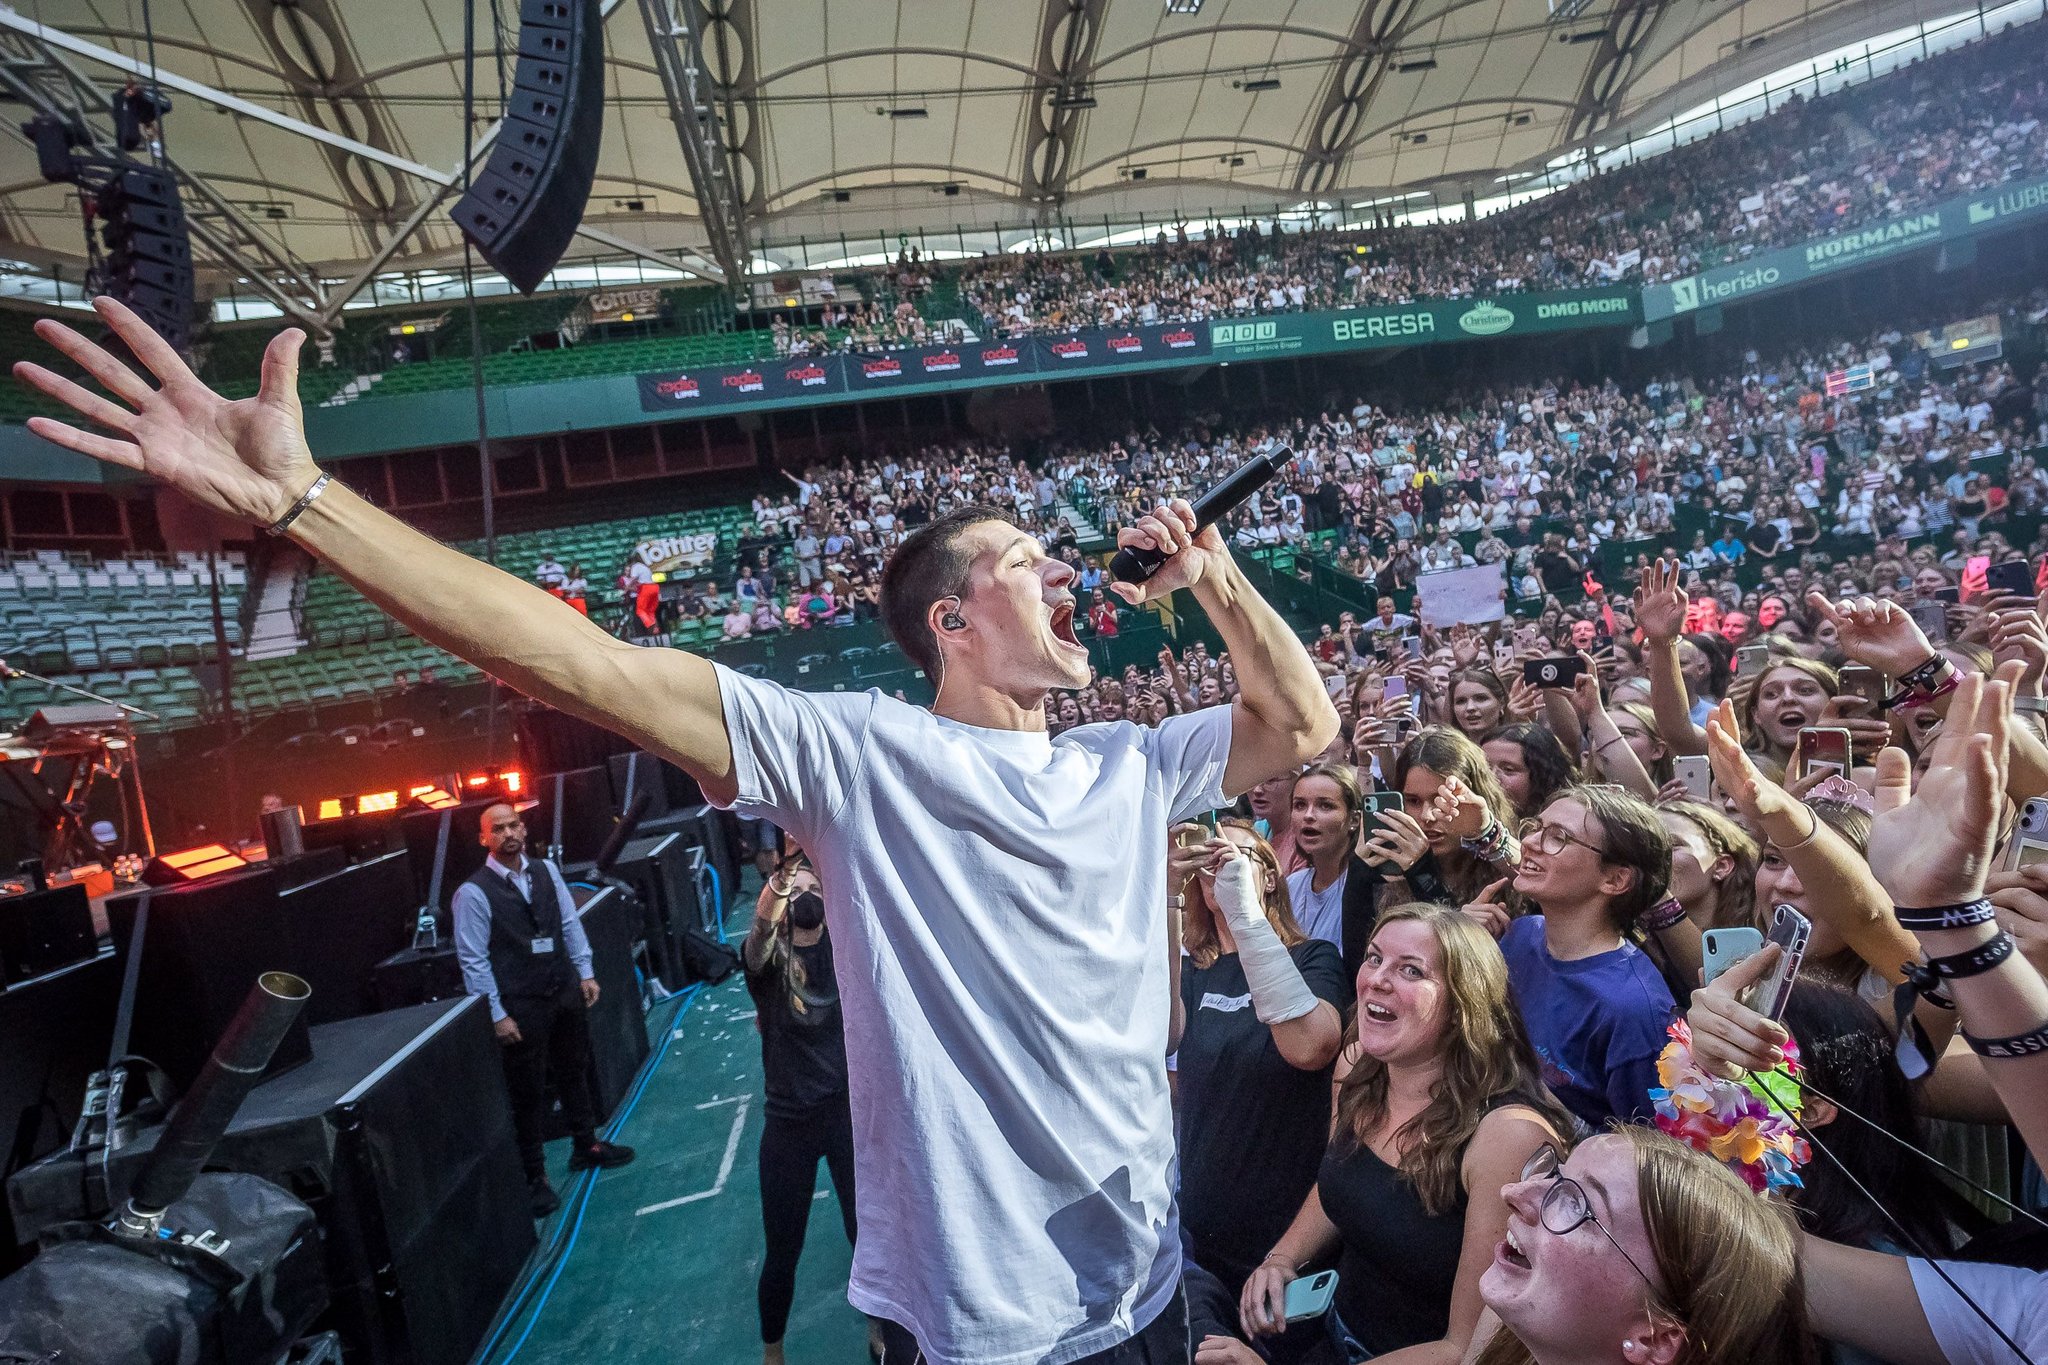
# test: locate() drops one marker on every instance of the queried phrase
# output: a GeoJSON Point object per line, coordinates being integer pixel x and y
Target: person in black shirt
{"type": "Point", "coordinates": [1260, 1018]}
{"type": "Point", "coordinates": [789, 969]}
{"type": "Point", "coordinates": [1439, 1106]}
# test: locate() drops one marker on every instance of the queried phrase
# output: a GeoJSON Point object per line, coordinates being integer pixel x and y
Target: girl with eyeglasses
{"type": "Point", "coordinates": [1637, 1249]}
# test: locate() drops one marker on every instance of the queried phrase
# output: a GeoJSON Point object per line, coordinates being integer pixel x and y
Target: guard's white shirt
{"type": "Point", "coordinates": [996, 900]}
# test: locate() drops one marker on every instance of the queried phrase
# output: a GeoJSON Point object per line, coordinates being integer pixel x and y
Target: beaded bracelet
{"type": "Point", "coordinates": [2028, 1044]}
{"type": "Point", "coordinates": [1961, 916]}
{"type": "Point", "coordinates": [1930, 978]}
{"type": "Point", "coordinates": [1490, 845]}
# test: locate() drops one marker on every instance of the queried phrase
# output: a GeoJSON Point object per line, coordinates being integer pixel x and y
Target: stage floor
{"type": "Point", "coordinates": [663, 1262]}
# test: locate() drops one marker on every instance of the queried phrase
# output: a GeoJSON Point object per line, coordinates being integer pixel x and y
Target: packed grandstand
{"type": "Point", "coordinates": [1727, 423]}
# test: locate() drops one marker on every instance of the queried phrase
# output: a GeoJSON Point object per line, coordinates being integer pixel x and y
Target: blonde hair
{"type": "Point", "coordinates": [1198, 932]}
{"type": "Point", "coordinates": [1728, 1257]}
{"type": "Point", "coordinates": [1486, 1054]}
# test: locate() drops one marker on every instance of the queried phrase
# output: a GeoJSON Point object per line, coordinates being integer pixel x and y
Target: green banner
{"type": "Point", "coordinates": [1419, 323]}
{"type": "Point", "coordinates": [1786, 267]}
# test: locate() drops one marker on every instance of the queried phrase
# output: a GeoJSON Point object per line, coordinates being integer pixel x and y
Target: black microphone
{"type": "Point", "coordinates": [1134, 564]}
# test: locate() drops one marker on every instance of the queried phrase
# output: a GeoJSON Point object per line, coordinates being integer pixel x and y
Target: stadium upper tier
{"type": "Point", "coordinates": [1958, 124]}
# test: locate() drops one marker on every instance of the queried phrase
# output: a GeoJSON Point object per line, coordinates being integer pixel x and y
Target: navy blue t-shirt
{"type": "Point", "coordinates": [1597, 1023]}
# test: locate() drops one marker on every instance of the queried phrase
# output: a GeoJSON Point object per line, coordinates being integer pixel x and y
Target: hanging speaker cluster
{"type": "Point", "coordinates": [527, 201]}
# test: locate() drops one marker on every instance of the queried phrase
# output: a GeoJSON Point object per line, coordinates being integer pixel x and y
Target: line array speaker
{"type": "Point", "coordinates": [527, 201]}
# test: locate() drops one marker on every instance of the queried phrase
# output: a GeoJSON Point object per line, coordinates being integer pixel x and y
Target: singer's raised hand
{"type": "Point", "coordinates": [1190, 554]}
{"type": "Point", "coordinates": [245, 457]}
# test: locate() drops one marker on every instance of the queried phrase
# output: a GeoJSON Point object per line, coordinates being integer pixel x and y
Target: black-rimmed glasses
{"type": "Point", "coordinates": [1566, 1209]}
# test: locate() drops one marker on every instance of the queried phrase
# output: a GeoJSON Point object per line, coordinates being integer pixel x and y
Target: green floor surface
{"type": "Point", "coordinates": [644, 1283]}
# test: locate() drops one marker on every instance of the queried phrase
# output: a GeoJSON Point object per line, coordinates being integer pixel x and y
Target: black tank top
{"type": "Point", "coordinates": [1399, 1262]}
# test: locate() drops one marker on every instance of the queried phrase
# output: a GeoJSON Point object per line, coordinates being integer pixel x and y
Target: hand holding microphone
{"type": "Point", "coordinates": [1178, 543]}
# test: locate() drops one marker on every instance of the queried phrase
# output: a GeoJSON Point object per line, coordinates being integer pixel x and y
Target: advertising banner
{"type": "Point", "coordinates": [1788, 266]}
{"type": "Point", "coordinates": [936, 364]}
{"type": "Point", "coordinates": [670, 554]}
{"type": "Point", "coordinates": [1419, 323]}
{"type": "Point", "coordinates": [709, 387]}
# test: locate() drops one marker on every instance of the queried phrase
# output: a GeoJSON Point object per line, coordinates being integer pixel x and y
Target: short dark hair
{"type": "Point", "coordinates": [927, 566]}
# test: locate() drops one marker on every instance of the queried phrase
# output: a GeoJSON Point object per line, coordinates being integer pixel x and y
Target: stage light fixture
{"type": "Point", "coordinates": [330, 809]}
{"type": "Point", "coordinates": [169, 869]}
{"type": "Point", "coordinates": [373, 802]}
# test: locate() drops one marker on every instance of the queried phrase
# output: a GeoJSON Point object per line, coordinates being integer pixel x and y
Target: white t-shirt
{"type": "Point", "coordinates": [1319, 913]}
{"type": "Point", "coordinates": [996, 900]}
{"type": "Point", "coordinates": [2016, 1299]}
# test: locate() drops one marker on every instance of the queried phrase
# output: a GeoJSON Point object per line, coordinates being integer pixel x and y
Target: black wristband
{"type": "Point", "coordinates": [1960, 916]}
{"type": "Point", "coordinates": [1929, 977]}
{"type": "Point", "coordinates": [2031, 1043]}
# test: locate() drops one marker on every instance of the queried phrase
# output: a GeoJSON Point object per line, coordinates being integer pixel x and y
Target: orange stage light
{"type": "Point", "coordinates": [191, 864]}
{"type": "Point", "coordinates": [373, 802]}
{"type": "Point", "coordinates": [330, 808]}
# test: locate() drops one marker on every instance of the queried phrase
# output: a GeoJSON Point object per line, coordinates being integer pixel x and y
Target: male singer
{"type": "Point", "coordinates": [996, 897]}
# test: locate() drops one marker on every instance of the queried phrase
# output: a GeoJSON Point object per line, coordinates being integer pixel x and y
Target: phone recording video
{"type": "Point", "coordinates": [1823, 749]}
{"type": "Point", "coordinates": [1560, 671]}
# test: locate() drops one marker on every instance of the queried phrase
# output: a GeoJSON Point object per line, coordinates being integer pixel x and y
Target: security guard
{"type": "Point", "coordinates": [521, 945]}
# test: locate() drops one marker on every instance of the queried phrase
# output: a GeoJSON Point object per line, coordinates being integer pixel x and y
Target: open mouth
{"type": "Point", "coordinates": [1792, 720]}
{"type": "Point", "coordinates": [1379, 1014]}
{"type": "Point", "coordinates": [1510, 1251]}
{"type": "Point", "coordinates": [1063, 625]}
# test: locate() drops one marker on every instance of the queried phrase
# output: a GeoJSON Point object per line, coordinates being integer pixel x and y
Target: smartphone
{"type": "Point", "coordinates": [1721, 949]}
{"type": "Point", "coordinates": [1310, 1295]}
{"type": "Point", "coordinates": [1395, 686]}
{"type": "Point", "coordinates": [1696, 773]}
{"type": "Point", "coordinates": [1948, 595]}
{"type": "Point", "coordinates": [1371, 806]}
{"type": "Point", "coordinates": [1751, 660]}
{"type": "Point", "coordinates": [1932, 616]}
{"type": "Point", "coordinates": [2014, 576]}
{"type": "Point", "coordinates": [2029, 842]}
{"type": "Point", "coordinates": [1824, 749]}
{"type": "Point", "coordinates": [1861, 680]}
{"type": "Point", "coordinates": [1560, 671]}
{"type": "Point", "coordinates": [1789, 930]}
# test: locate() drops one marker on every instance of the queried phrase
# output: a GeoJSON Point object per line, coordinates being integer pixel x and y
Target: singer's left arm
{"type": "Point", "coordinates": [1283, 716]}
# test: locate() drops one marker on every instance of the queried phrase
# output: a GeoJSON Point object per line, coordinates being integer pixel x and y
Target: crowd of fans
{"type": "Point", "coordinates": [1964, 121]}
{"type": "Point", "coordinates": [1475, 930]}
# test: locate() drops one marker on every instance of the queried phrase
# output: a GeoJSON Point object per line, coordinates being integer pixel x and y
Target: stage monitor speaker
{"type": "Point", "coordinates": [657, 868]}
{"type": "Point", "coordinates": [527, 201]}
{"type": "Point", "coordinates": [73, 716]}
{"type": "Point", "coordinates": [399, 1135]}
{"type": "Point", "coordinates": [342, 925]}
{"type": "Point", "coordinates": [203, 948]}
{"type": "Point", "coordinates": [56, 1030]}
{"type": "Point", "coordinates": [44, 930]}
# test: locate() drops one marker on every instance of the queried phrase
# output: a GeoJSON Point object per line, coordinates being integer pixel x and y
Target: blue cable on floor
{"type": "Point", "coordinates": [560, 1254]}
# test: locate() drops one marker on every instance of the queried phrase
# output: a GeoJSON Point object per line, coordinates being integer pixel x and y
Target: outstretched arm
{"type": "Point", "coordinates": [247, 458]}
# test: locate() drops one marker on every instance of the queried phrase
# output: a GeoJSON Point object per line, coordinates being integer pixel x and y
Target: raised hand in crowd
{"type": "Point", "coordinates": [1489, 908]}
{"type": "Point", "coordinates": [1660, 602]}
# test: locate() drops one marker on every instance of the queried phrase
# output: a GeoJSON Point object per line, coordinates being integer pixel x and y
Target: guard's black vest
{"type": "Point", "coordinates": [521, 973]}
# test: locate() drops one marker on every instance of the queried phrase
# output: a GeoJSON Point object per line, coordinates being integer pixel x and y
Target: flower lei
{"type": "Point", "coordinates": [1733, 1121]}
